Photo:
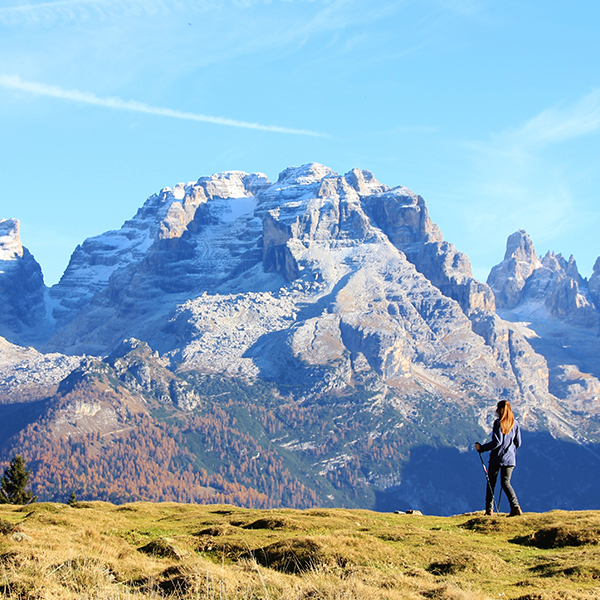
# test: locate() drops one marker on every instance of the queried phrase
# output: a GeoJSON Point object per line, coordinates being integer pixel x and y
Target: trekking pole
{"type": "Point", "coordinates": [489, 482]}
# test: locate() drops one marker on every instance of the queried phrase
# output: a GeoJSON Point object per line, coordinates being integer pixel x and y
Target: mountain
{"type": "Point", "coordinates": [22, 286]}
{"type": "Point", "coordinates": [310, 341]}
{"type": "Point", "coordinates": [558, 311]}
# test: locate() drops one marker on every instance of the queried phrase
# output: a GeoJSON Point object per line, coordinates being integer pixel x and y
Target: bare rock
{"type": "Point", "coordinates": [594, 284]}
{"type": "Point", "coordinates": [508, 278]}
{"type": "Point", "coordinates": [403, 217]}
{"type": "Point", "coordinates": [522, 278]}
{"type": "Point", "coordinates": [22, 289]}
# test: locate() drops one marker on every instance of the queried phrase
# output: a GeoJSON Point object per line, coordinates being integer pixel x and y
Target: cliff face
{"type": "Point", "coordinates": [508, 278]}
{"type": "Point", "coordinates": [558, 310]}
{"type": "Point", "coordinates": [523, 278]}
{"type": "Point", "coordinates": [22, 306]}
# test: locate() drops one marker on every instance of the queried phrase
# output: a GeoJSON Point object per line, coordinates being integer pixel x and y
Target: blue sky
{"type": "Point", "coordinates": [488, 109]}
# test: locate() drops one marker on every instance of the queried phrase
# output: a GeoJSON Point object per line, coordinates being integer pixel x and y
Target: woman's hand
{"type": "Point", "coordinates": [478, 446]}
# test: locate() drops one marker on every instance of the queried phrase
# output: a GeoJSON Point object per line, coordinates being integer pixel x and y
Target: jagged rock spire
{"type": "Point", "coordinates": [22, 307]}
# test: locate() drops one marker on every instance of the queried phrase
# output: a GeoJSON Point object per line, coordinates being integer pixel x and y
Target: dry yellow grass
{"type": "Point", "coordinates": [99, 551]}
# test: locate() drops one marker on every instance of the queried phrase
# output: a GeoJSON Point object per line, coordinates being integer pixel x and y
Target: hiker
{"type": "Point", "coordinates": [506, 438]}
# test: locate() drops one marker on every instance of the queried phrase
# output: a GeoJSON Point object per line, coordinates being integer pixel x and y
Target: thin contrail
{"type": "Point", "coordinates": [41, 89]}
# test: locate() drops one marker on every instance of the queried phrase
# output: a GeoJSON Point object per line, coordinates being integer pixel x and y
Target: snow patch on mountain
{"type": "Point", "coordinates": [26, 374]}
{"type": "Point", "coordinates": [10, 243]}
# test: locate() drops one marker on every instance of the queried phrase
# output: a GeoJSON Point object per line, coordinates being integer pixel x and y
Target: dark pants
{"type": "Point", "coordinates": [505, 475]}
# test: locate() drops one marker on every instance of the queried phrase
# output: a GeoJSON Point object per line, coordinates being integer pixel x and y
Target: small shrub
{"type": "Point", "coordinates": [163, 547]}
{"type": "Point", "coordinates": [293, 556]}
{"type": "Point", "coordinates": [6, 527]}
{"type": "Point", "coordinates": [268, 523]}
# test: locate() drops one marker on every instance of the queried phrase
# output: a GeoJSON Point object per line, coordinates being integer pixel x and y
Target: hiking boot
{"type": "Point", "coordinates": [515, 511]}
{"type": "Point", "coordinates": [489, 512]}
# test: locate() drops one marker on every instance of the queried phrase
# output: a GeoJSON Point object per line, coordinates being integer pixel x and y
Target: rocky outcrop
{"type": "Point", "coordinates": [508, 278]}
{"type": "Point", "coordinates": [22, 289]}
{"type": "Point", "coordinates": [277, 256]}
{"type": "Point", "coordinates": [27, 375]}
{"type": "Point", "coordinates": [523, 278]}
{"type": "Point", "coordinates": [403, 217]}
{"type": "Point", "coordinates": [142, 369]}
{"type": "Point", "coordinates": [594, 284]}
{"type": "Point", "coordinates": [515, 354]}
{"type": "Point", "coordinates": [579, 391]}
{"type": "Point", "coordinates": [131, 370]}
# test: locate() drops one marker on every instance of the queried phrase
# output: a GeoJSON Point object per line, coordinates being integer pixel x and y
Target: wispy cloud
{"type": "Point", "coordinates": [65, 10]}
{"type": "Point", "coordinates": [16, 83]}
{"type": "Point", "coordinates": [79, 9]}
{"type": "Point", "coordinates": [519, 150]}
{"type": "Point", "coordinates": [518, 166]}
{"type": "Point", "coordinates": [522, 177]}
{"type": "Point", "coordinates": [558, 125]}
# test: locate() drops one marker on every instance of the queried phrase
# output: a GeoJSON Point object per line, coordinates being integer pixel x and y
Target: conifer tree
{"type": "Point", "coordinates": [13, 483]}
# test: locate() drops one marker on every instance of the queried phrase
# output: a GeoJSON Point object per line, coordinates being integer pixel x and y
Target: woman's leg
{"type": "Point", "coordinates": [490, 487]}
{"type": "Point", "coordinates": [506, 474]}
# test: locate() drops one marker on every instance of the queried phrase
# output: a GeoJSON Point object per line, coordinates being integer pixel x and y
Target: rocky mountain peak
{"type": "Point", "coordinates": [520, 247]}
{"type": "Point", "coordinates": [233, 184]}
{"type": "Point", "coordinates": [594, 284]}
{"type": "Point", "coordinates": [364, 182]}
{"type": "Point", "coordinates": [304, 175]}
{"type": "Point", "coordinates": [22, 289]}
{"type": "Point", "coordinates": [562, 267]}
{"type": "Point", "coordinates": [10, 242]}
{"type": "Point", "coordinates": [508, 278]}
{"type": "Point", "coordinates": [552, 282]}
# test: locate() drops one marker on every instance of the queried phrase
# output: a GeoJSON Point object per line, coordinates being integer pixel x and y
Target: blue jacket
{"type": "Point", "coordinates": [503, 446]}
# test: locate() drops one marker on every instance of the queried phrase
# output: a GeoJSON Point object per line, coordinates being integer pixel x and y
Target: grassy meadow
{"type": "Point", "coordinates": [179, 551]}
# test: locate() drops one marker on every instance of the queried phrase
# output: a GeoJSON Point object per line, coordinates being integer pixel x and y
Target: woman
{"type": "Point", "coordinates": [506, 438]}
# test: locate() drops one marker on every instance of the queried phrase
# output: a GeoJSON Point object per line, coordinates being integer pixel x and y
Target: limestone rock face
{"type": "Point", "coordinates": [579, 391]}
{"type": "Point", "coordinates": [160, 242]}
{"type": "Point", "coordinates": [594, 284]}
{"type": "Point", "coordinates": [554, 308]}
{"type": "Point", "coordinates": [565, 292]}
{"type": "Point", "coordinates": [27, 375]}
{"type": "Point", "coordinates": [22, 289]}
{"type": "Point", "coordinates": [523, 278]}
{"type": "Point", "coordinates": [508, 278]}
{"type": "Point", "coordinates": [403, 217]}
{"type": "Point", "coordinates": [320, 280]}
{"type": "Point", "coordinates": [140, 368]}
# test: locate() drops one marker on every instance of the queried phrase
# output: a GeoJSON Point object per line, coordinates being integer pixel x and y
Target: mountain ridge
{"type": "Point", "coordinates": [337, 293]}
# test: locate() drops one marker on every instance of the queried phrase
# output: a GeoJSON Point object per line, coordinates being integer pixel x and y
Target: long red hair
{"type": "Point", "coordinates": [506, 416]}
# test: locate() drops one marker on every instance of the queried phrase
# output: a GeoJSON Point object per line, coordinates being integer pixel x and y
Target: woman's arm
{"type": "Point", "coordinates": [517, 436]}
{"type": "Point", "coordinates": [495, 442]}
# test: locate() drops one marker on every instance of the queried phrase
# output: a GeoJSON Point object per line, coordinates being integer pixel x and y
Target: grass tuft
{"type": "Point", "coordinates": [563, 535]}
